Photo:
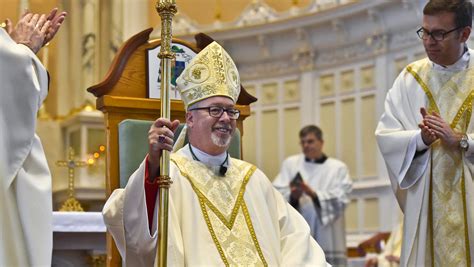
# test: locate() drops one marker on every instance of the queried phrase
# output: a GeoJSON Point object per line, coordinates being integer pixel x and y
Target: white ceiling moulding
{"type": "Point", "coordinates": [318, 37]}
{"type": "Point", "coordinates": [259, 13]}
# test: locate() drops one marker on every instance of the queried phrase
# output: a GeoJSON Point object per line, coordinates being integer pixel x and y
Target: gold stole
{"type": "Point", "coordinates": [451, 96]}
{"type": "Point", "coordinates": [224, 210]}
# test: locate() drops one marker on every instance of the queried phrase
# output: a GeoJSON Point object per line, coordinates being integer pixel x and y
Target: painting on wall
{"type": "Point", "coordinates": [183, 53]}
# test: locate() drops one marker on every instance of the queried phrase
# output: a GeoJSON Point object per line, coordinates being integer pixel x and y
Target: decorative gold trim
{"type": "Point", "coordinates": [248, 220]}
{"type": "Point", "coordinates": [71, 204]}
{"type": "Point", "coordinates": [425, 88]}
{"type": "Point", "coordinates": [211, 231]}
{"type": "Point", "coordinates": [240, 198]}
{"type": "Point", "coordinates": [466, 104]}
{"type": "Point", "coordinates": [465, 107]}
{"type": "Point", "coordinates": [240, 203]}
{"type": "Point", "coordinates": [466, 226]}
{"type": "Point", "coordinates": [430, 212]}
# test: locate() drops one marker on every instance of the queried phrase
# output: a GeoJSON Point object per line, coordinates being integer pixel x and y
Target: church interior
{"type": "Point", "coordinates": [323, 62]}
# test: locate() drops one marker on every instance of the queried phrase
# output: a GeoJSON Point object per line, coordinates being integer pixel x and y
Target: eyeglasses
{"type": "Point", "coordinates": [436, 35]}
{"type": "Point", "coordinates": [216, 112]}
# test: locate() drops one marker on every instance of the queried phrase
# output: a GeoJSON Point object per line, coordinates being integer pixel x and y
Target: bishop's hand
{"type": "Point", "coordinates": [160, 136]}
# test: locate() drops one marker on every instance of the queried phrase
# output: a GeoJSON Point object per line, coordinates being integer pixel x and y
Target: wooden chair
{"type": "Point", "coordinates": [122, 95]}
{"type": "Point", "coordinates": [373, 244]}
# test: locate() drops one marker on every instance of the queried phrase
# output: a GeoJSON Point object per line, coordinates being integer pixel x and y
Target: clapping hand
{"type": "Point", "coordinates": [56, 21]}
{"type": "Point", "coordinates": [442, 130]}
{"type": "Point", "coordinates": [427, 134]}
{"type": "Point", "coordinates": [35, 30]}
{"type": "Point", "coordinates": [30, 30]}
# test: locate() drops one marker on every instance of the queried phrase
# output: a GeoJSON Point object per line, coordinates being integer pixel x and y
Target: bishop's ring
{"type": "Point", "coordinates": [161, 139]}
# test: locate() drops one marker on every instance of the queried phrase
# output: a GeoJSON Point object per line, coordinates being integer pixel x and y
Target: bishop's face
{"type": "Point", "coordinates": [210, 134]}
{"type": "Point", "coordinates": [312, 146]}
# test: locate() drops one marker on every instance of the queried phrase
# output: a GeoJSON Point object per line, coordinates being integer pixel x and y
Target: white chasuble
{"type": "Point", "coordinates": [434, 187]}
{"type": "Point", "coordinates": [223, 207]}
{"type": "Point", "coordinates": [232, 220]}
{"type": "Point", "coordinates": [331, 182]}
{"type": "Point", "coordinates": [25, 186]}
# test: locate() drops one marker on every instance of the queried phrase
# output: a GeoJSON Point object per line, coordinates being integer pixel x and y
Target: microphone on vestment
{"type": "Point", "coordinates": [223, 167]}
{"type": "Point", "coordinates": [222, 170]}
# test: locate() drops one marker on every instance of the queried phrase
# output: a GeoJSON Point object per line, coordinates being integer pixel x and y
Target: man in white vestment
{"type": "Point", "coordinates": [318, 187]}
{"type": "Point", "coordinates": [222, 211]}
{"type": "Point", "coordinates": [25, 186]}
{"type": "Point", "coordinates": [425, 136]}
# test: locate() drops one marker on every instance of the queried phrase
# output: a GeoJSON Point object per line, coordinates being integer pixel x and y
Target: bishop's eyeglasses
{"type": "Point", "coordinates": [437, 35]}
{"type": "Point", "coordinates": [216, 112]}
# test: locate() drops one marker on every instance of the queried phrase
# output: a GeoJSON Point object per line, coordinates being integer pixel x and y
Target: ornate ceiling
{"type": "Point", "coordinates": [211, 15]}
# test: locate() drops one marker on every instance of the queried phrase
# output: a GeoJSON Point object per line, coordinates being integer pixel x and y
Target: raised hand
{"type": "Point", "coordinates": [35, 30]}
{"type": "Point", "coordinates": [56, 21]}
{"type": "Point", "coordinates": [30, 30]}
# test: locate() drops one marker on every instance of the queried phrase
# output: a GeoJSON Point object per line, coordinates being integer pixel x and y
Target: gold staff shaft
{"type": "Point", "coordinates": [166, 9]}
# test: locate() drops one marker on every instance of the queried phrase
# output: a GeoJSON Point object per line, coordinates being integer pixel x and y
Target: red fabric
{"type": "Point", "coordinates": [151, 191]}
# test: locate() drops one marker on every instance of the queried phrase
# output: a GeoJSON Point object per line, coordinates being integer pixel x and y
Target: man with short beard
{"type": "Point", "coordinates": [222, 211]}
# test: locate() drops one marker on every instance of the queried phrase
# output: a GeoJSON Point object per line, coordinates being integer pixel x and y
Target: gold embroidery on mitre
{"type": "Point", "coordinates": [212, 72]}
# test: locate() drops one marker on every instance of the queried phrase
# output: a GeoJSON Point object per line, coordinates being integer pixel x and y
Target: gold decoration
{"type": "Point", "coordinates": [166, 9]}
{"type": "Point", "coordinates": [447, 176]}
{"type": "Point", "coordinates": [210, 73]}
{"type": "Point", "coordinates": [71, 204]}
{"type": "Point", "coordinates": [225, 213]}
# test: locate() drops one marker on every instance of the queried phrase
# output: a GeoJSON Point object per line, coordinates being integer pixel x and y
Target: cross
{"type": "Point", "coordinates": [71, 204]}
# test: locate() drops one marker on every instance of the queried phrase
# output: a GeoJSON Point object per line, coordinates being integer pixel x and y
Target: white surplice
{"type": "Point", "coordinates": [281, 235]}
{"type": "Point", "coordinates": [332, 184]}
{"type": "Point", "coordinates": [25, 190]}
{"type": "Point", "coordinates": [398, 137]}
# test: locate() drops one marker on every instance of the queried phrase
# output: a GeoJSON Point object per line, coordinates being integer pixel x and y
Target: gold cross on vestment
{"type": "Point", "coordinates": [71, 204]}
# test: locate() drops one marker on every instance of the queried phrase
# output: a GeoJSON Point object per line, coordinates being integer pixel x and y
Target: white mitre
{"type": "Point", "coordinates": [210, 73]}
